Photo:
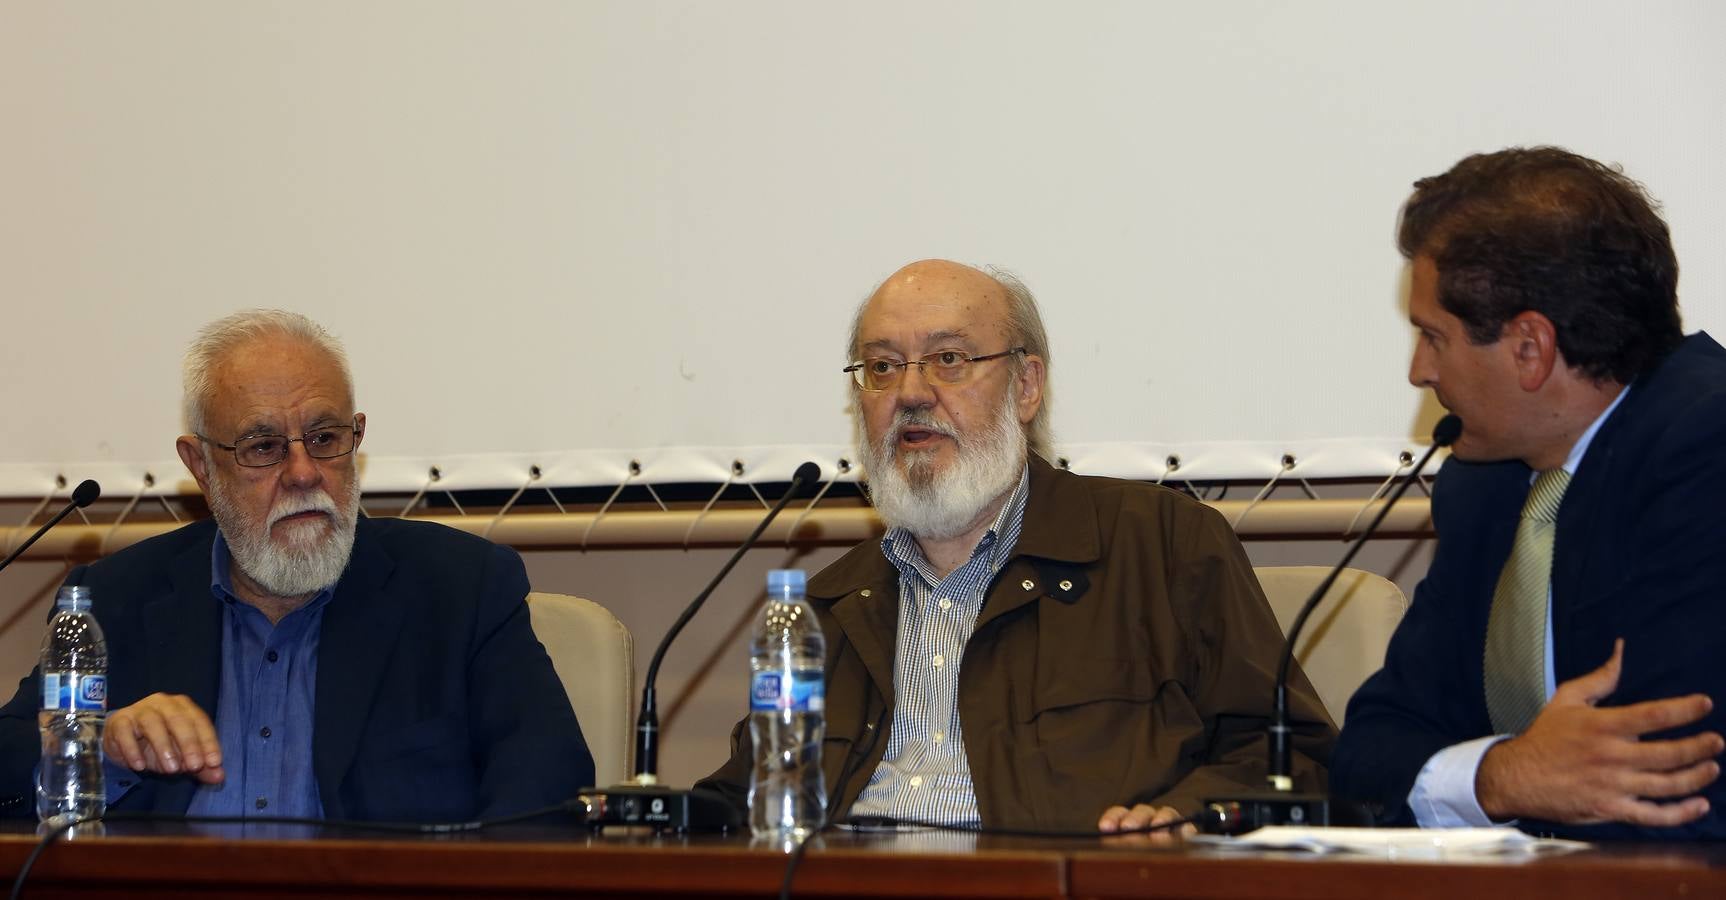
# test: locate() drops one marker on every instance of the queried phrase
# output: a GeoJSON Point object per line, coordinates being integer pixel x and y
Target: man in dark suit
{"type": "Point", "coordinates": [1557, 666]}
{"type": "Point", "coordinates": [294, 659]}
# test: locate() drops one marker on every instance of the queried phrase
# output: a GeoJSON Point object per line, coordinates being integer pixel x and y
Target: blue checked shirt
{"type": "Point", "coordinates": [925, 774]}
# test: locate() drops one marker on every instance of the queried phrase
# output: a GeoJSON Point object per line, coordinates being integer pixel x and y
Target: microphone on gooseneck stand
{"type": "Point", "coordinates": [642, 801]}
{"type": "Point", "coordinates": [1281, 805]}
{"type": "Point", "coordinates": [83, 495]}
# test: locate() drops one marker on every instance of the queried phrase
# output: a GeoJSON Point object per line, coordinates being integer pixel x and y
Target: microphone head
{"type": "Point", "coordinates": [1447, 430]}
{"type": "Point", "coordinates": [807, 473]}
{"type": "Point", "coordinates": [86, 493]}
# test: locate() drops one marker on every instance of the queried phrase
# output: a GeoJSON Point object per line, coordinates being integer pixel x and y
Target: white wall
{"type": "Point", "coordinates": [573, 234]}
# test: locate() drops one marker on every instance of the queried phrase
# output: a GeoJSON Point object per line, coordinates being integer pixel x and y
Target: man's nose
{"type": "Point", "coordinates": [299, 469]}
{"type": "Point", "coordinates": [1420, 369]}
{"type": "Point", "coordinates": [915, 390]}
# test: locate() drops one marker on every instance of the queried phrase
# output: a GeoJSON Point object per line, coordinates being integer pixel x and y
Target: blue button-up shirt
{"type": "Point", "coordinates": [264, 705]}
{"type": "Point", "coordinates": [925, 774]}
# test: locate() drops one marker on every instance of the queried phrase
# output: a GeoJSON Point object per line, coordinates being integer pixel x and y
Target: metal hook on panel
{"type": "Point", "coordinates": [634, 470]}
{"type": "Point", "coordinates": [1288, 462]}
{"type": "Point", "coordinates": [1403, 461]}
{"type": "Point", "coordinates": [532, 476]}
{"type": "Point", "coordinates": [1171, 465]}
{"type": "Point", "coordinates": [432, 477]}
{"type": "Point", "coordinates": [736, 470]}
{"type": "Point", "coordinates": [149, 482]}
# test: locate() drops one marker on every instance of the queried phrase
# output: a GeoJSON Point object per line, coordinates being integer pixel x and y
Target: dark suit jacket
{"type": "Point", "coordinates": [1640, 553]}
{"type": "Point", "coordinates": [1124, 654]}
{"type": "Point", "coordinates": [434, 701]}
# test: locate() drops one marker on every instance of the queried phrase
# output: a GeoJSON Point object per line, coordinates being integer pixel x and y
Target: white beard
{"type": "Point", "coordinates": [944, 505]}
{"type": "Point", "coordinates": [307, 561]}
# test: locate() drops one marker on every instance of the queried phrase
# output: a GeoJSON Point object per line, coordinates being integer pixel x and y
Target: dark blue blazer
{"type": "Point", "coordinates": [434, 700]}
{"type": "Point", "coordinates": [1640, 553]}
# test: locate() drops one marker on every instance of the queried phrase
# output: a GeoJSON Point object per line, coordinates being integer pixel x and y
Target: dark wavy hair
{"type": "Point", "coordinates": [1544, 229]}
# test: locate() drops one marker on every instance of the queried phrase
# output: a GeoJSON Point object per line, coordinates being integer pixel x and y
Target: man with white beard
{"type": "Point", "coordinates": [1025, 648]}
{"type": "Point", "coordinates": [293, 659]}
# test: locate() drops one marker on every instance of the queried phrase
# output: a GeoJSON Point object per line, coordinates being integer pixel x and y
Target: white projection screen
{"type": "Point", "coordinates": [577, 234]}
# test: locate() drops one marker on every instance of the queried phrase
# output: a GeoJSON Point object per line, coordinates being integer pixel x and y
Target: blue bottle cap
{"type": "Point", "coordinates": [780, 581]}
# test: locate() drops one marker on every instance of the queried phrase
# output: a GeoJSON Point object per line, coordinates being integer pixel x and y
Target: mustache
{"type": "Point", "coordinates": [294, 504]}
{"type": "Point", "coordinates": [918, 418]}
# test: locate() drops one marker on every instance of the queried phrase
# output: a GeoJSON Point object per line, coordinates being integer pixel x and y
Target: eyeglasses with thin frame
{"type": "Point", "coordinates": [943, 367]}
{"type": "Point", "coordinates": [257, 451]}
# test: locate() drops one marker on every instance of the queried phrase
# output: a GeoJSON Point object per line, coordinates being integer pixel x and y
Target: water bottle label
{"type": "Point", "coordinates": [71, 692]}
{"type": "Point", "coordinates": [803, 692]}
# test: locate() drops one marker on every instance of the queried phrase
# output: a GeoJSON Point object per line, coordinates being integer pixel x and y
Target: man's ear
{"type": "Point", "coordinates": [359, 430]}
{"type": "Point", "coordinates": [1534, 348]}
{"type": "Point", "coordinates": [1029, 387]}
{"type": "Point", "coordinates": [191, 451]}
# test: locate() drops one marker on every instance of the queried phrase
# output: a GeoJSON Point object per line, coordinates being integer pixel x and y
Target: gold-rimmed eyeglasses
{"type": "Point", "coordinates": [943, 367]}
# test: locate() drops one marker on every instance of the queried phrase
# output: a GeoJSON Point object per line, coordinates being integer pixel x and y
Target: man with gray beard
{"type": "Point", "coordinates": [1025, 647]}
{"type": "Point", "coordinates": [293, 659]}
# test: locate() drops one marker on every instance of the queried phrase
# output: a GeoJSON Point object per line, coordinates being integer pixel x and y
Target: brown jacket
{"type": "Point", "coordinates": [1124, 654]}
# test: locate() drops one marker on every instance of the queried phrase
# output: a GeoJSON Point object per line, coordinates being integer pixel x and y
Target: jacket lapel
{"type": "Point", "coordinates": [183, 630]}
{"type": "Point", "coordinates": [863, 589]}
{"type": "Point", "coordinates": [360, 627]}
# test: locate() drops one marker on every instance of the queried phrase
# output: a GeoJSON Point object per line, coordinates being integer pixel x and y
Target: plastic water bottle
{"type": "Point", "coordinates": [787, 713]}
{"type": "Point", "coordinates": [74, 668]}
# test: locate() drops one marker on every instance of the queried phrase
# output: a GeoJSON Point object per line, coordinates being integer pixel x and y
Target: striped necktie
{"type": "Point", "coordinates": [1516, 629]}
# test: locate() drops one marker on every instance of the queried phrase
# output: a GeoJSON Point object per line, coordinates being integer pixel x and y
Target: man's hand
{"type": "Point", "coordinates": [166, 734]}
{"type": "Point", "coordinates": [1580, 765]}
{"type": "Point", "coordinates": [1120, 818]}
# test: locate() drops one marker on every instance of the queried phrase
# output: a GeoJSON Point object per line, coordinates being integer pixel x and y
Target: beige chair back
{"type": "Point", "coordinates": [1346, 636]}
{"type": "Point", "coordinates": [595, 658]}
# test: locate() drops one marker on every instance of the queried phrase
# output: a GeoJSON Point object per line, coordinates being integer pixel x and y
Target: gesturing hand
{"type": "Point", "coordinates": [167, 734]}
{"type": "Point", "coordinates": [1579, 764]}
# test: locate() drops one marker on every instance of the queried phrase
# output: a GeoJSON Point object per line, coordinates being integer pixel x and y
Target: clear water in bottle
{"type": "Point", "coordinates": [787, 713]}
{"type": "Point", "coordinates": [74, 668]}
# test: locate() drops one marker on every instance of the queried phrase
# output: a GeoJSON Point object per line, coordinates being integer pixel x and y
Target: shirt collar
{"type": "Point", "coordinates": [1574, 461]}
{"type": "Point", "coordinates": [901, 549]}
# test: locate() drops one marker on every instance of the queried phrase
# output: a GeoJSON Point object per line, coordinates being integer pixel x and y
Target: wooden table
{"type": "Point", "coordinates": [136, 860]}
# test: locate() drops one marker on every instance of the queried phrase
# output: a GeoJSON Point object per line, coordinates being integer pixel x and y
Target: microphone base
{"type": "Point", "coordinates": [1241, 813]}
{"type": "Point", "coordinates": [658, 807]}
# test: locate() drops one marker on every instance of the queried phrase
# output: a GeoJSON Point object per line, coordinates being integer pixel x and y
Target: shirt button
{"type": "Point", "coordinates": [865, 592]}
{"type": "Point", "coordinates": [261, 803]}
{"type": "Point", "coordinates": [1027, 584]}
{"type": "Point", "coordinates": [271, 656]}
{"type": "Point", "coordinates": [264, 732]}
{"type": "Point", "coordinates": [916, 781]}
{"type": "Point", "coordinates": [939, 660]}
{"type": "Point", "coordinates": [946, 603]}
{"type": "Point", "coordinates": [940, 736]}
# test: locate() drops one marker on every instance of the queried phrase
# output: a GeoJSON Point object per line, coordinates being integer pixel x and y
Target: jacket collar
{"type": "Point", "coordinates": [1060, 526]}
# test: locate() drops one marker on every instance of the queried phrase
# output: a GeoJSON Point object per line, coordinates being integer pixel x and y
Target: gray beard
{"type": "Point", "coordinates": [304, 564]}
{"type": "Point", "coordinates": [944, 505]}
